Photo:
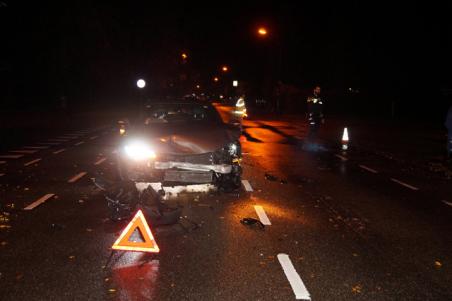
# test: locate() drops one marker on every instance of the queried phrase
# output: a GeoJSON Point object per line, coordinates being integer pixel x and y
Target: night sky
{"type": "Point", "coordinates": [95, 50]}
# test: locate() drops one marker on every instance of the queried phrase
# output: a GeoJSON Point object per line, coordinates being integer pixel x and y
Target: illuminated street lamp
{"type": "Point", "coordinates": [198, 86]}
{"type": "Point", "coordinates": [141, 83]}
{"type": "Point", "coordinates": [225, 68]}
{"type": "Point", "coordinates": [235, 83]}
{"type": "Point", "coordinates": [215, 79]}
{"type": "Point", "coordinates": [184, 56]}
{"type": "Point", "coordinates": [262, 31]}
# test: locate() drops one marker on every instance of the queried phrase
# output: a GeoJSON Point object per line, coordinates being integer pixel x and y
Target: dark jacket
{"type": "Point", "coordinates": [315, 108]}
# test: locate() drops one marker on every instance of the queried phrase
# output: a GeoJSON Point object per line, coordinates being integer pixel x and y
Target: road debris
{"type": "Point", "coordinates": [356, 289]}
{"type": "Point", "coordinates": [249, 221]}
{"type": "Point", "coordinates": [270, 177]}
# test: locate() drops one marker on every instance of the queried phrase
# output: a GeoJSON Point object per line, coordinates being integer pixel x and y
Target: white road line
{"type": "Point", "coordinates": [368, 169]}
{"type": "Point", "coordinates": [247, 185]}
{"type": "Point", "coordinates": [11, 156]}
{"type": "Point", "coordinates": [59, 151]}
{"type": "Point", "coordinates": [49, 143]}
{"type": "Point", "coordinates": [37, 147]}
{"type": "Point", "coordinates": [24, 151]}
{"type": "Point", "coordinates": [298, 287]}
{"type": "Point", "coordinates": [39, 201]}
{"type": "Point", "coordinates": [262, 215]}
{"type": "Point", "coordinates": [32, 162]}
{"type": "Point", "coordinates": [79, 143]}
{"type": "Point", "coordinates": [66, 137]}
{"type": "Point", "coordinates": [404, 184]}
{"type": "Point", "coordinates": [447, 203]}
{"type": "Point", "coordinates": [77, 177]}
{"type": "Point", "coordinates": [92, 138]}
{"type": "Point", "coordinates": [341, 157]}
{"type": "Point", "coordinates": [100, 161]}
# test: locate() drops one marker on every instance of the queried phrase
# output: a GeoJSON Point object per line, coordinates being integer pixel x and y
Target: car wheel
{"type": "Point", "coordinates": [231, 182]}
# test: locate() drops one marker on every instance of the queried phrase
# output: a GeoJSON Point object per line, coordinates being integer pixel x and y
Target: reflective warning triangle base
{"type": "Point", "coordinates": [148, 245]}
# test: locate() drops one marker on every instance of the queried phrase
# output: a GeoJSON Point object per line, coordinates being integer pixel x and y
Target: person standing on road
{"type": "Point", "coordinates": [315, 113]}
{"type": "Point", "coordinates": [448, 125]}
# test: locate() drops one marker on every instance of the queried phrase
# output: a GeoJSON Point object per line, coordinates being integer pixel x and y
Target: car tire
{"type": "Point", "coordinates": [231, 182]}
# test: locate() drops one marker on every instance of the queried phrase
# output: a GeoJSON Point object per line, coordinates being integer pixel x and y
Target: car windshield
{"type": "Point", "coordinates": [179, 112]}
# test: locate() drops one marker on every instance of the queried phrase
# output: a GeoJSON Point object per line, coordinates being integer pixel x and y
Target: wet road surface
{"type": "Point", "coordinates": [340, 226]}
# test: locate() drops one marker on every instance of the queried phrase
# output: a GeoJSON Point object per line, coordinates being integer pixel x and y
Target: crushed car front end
{"type": "Point", "coordinates": [221, 167]}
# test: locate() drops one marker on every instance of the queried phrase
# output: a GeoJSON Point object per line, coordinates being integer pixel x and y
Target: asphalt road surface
{"type": "Point", "coordinates": [340, 226]}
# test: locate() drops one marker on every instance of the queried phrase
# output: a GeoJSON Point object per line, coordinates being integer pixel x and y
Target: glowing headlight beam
{"type": "Point", "coordinates": [139, 151]}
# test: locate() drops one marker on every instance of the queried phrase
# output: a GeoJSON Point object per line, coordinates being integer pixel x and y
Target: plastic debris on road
{"type": "Point", "coordinates": [249, 221]}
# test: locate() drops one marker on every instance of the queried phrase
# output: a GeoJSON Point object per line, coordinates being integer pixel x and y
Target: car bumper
{"type": "Point", "coordinates": [173, 172]}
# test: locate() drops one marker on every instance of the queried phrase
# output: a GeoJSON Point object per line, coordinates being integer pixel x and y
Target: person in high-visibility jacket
{"type": "Point", "coordinates": [315, 112]}
{"type": "Point", "coordinates": [448, 124]}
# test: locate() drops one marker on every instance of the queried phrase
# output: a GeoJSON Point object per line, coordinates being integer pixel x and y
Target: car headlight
{"type": "Point", "coordinates": [139, 151]}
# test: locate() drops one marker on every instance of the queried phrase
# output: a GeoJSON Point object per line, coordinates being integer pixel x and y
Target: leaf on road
{"type": "Point", "coordinates": [72, 257]}
{"type": "Point", "coordinates": [112, 290]}
{"type": "Point", "coordinates": [357, 289]}
{"type": "Point", "coordinates": [438, 264]}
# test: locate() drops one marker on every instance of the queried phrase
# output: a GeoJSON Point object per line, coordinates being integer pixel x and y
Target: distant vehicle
{"type": "Point", "coordinates": [181, 143]}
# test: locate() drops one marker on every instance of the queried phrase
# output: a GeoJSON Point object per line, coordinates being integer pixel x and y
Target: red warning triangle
{"type": "Point", "coordinates": [148, 245]}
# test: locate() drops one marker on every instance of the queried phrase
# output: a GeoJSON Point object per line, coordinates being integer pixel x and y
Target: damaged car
{"type": "Point", "coordinates": [180, 143]}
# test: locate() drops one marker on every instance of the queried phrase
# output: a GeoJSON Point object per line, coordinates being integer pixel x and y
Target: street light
{"type": "Point", "coordinates": [225, 68]}
{"type": "Point", "coordinates": [215, 79]}
{"type": "Point", "coordinates": [184, 56]}
{"type": "Point", "coordinates": [262, 31]}
{"type": "Point", "coordinates": [141, 83]}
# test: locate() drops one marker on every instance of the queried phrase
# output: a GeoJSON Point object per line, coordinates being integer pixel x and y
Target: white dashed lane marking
{"type": "Point", "coordinates": [404, 184]}
{"type": "Point", "coordinates": [298, 287]}
{"type": "Point", "coordinates": [11, 156]}
{"type": "Point", "coordinates": [341, 157]}
{"type": "Point", "coordinates": [447, 203]}
{"type": "Point", "coordinates": [100, 161]}
{"type": "Point", "coordinates": [50, 143]}
{"type": "Point", "coordinates": [39, 201]}
{"type": "Point", "coordinates": [24, 151]}
{"type": "Point", "coordinates": [59, 151]}
{"type": "Point", "coordinates": [368, 169]}
{"type": "Point", "coordinates": [247, 185]}
{"type": "Point", "coordinates": [32, 162]}
{"type": "Point", "coordinates": [37, 147]}
{"type": "Point", "coordinates": [79, 143]}
{"type": "Point", "coordinates": [262, 215]}
{"type": "Point", "coordinates": [66, 138]}
{"type": "Point", "coordinates": [77, 177]}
